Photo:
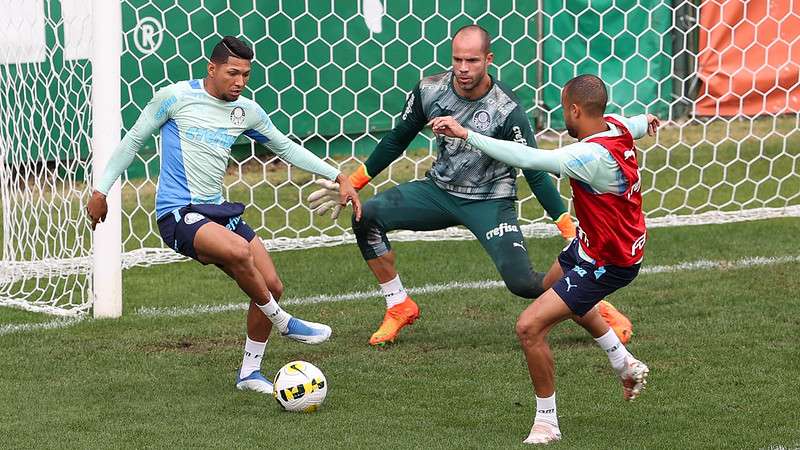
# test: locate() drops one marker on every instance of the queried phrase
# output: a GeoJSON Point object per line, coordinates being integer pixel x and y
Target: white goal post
{"type": "Point", "coordinates": [106, 123]}
{"type": "Point", "coordinates": [334, 76]}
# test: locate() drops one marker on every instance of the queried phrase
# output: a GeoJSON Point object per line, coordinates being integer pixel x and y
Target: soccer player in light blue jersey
{"type": "Point", "coordinates": [199, 120]}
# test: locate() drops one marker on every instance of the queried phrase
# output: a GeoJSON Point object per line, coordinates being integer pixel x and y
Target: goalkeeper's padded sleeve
{"type": "Point", "coordinates": [544, 189]}
{"type": "Point", "coordinates": [395, 142]}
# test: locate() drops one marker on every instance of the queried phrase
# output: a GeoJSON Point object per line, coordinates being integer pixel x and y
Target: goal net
{"type": "Point", "coordinates": [335, 75]}
{"type": "Point", "coordinates": [44, 156]}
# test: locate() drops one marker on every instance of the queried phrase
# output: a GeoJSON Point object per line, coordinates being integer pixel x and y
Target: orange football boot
{"type": "Point", "coordinates": [621, 325]}
{"type": "Point", "coordinates": [394, 320]}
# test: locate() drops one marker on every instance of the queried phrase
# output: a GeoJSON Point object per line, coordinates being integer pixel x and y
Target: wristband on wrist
{"type": "Point", "coordinates": [360, 178]}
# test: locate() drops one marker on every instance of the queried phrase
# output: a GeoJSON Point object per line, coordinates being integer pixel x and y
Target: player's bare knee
{"type": "Point", "coordinates": [531, 326]}
{"type": "Point", "coordinates": [276, 288]}
{"type": "Point", "coordinates": [521, 329]}
{"type": "Point", "coordinates": [239, 255]}
{"type": "Point", "coordinates": [527, 329]}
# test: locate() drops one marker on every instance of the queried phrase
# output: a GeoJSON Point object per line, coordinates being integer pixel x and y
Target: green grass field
{"type": "Point", "coordinates": [722, 344]}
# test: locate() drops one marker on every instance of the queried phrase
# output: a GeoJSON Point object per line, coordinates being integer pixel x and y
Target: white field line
{"type": "Point", "coordinates": [53, 324]}
{"type": "Point", "coordinates": [702, 264]}
{"type": "Point", "coordinates": [174, 311]}
{"type": "Point", "coordinates": [13, 271]}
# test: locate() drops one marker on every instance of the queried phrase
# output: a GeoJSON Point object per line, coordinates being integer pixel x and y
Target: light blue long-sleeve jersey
{"type": "Point", "coordinates": [197, 132]}
{"type": "Point", "coordinates": [587, 162]}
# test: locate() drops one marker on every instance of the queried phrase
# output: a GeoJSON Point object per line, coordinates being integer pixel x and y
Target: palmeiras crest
{"type": "Point", "coordinates": [481, 120]}
{"type": "Point", "coordinates": [237, 115]}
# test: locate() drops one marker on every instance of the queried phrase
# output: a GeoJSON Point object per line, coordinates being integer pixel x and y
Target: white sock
{"type": "Point", "coordinates": [546, 410]}
{"type": "Point", "coordinates": [394, 292]}
{"type": "Point", "coordinates": [276, 314]}
{"type": "Point", "coordinates": [253, 352]}
{"type": "Point", "coordinates": [614, 348]}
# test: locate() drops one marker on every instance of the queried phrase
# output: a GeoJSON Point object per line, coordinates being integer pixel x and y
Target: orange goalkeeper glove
{"type": "Point", "coordinates": [566, 226]}
{"type": "Point", "coordinates": [360, 177]}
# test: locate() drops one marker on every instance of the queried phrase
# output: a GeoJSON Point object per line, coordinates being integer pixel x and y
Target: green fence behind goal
{"type": "Point", "coordinates": [632, 52]}
{"type": "Point", "coordinates": [326, 80]}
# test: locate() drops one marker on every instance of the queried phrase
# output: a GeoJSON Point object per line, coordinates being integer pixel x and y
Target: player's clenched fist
{"type": "Point", "coordinates": [97, 208]}
{"type": "Point", "coordinates": [652, 124]}
{"type": "Point", "coordinates": [448, 126]}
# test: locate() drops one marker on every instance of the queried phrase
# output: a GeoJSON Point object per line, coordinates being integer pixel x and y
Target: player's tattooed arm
{"type": "Point", "coordinates": [641, 125]}
{"type": "Point", "coordinates": [653, 122]}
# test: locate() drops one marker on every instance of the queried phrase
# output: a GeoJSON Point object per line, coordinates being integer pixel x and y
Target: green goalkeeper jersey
{"type": "Point", "coordinates": [459, 168]}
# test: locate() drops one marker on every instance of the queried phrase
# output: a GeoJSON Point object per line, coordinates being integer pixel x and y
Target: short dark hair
{"type": "Point", "coordinates": [588, 91]}
{"type": "Point", "coordinates": [486, 44]}
{"type": "Point", "coordinates": [230, 46]}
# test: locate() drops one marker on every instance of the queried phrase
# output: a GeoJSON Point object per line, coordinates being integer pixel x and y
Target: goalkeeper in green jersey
{"type": "Point", "coordinates": [198, 121]}
{"type": "Point", "coordinates": [464, 186]}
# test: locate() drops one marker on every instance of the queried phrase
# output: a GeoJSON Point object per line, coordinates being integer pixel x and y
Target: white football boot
{"type": "Point", "coordinates": [543, 433]}
{"type": "Point", "coordinates": [633, 377]}
{"type": "Point", "coordinates": [307, 332]}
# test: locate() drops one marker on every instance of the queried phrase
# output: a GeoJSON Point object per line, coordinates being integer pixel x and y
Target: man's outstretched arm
{"type": "Point", "coordinates": [580, 161]}
{"type": "Point", "coordinates": [265, 133]}
{"type": "Point", "coordinates": [154, 115]}
{"type": "Point", "coordinates": [518, 128]}
{"type": "Point", "coordinates": [393, 144]}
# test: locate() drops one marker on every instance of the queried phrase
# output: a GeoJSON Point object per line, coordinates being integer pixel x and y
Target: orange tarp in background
{"type": "Point", "coordinates": [749, 57]}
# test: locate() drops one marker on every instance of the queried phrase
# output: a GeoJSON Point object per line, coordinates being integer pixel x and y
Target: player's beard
{"type": "Point", "coordinates": [475, 82]}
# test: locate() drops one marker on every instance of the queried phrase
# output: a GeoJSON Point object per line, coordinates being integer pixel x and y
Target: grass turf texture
{"type": "Point", "coordinates": [722, 346]}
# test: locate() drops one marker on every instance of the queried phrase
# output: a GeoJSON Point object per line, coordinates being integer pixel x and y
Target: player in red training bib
{"type": "Point", "coordinates": [607, 253]}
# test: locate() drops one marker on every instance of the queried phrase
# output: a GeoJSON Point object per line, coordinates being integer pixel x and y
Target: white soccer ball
{"type": "Point", "coordinates": [300, 387]}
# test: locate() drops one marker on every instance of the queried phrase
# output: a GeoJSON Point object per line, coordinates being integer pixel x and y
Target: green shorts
{"type": "Point", "coordinates": [423, 206]}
